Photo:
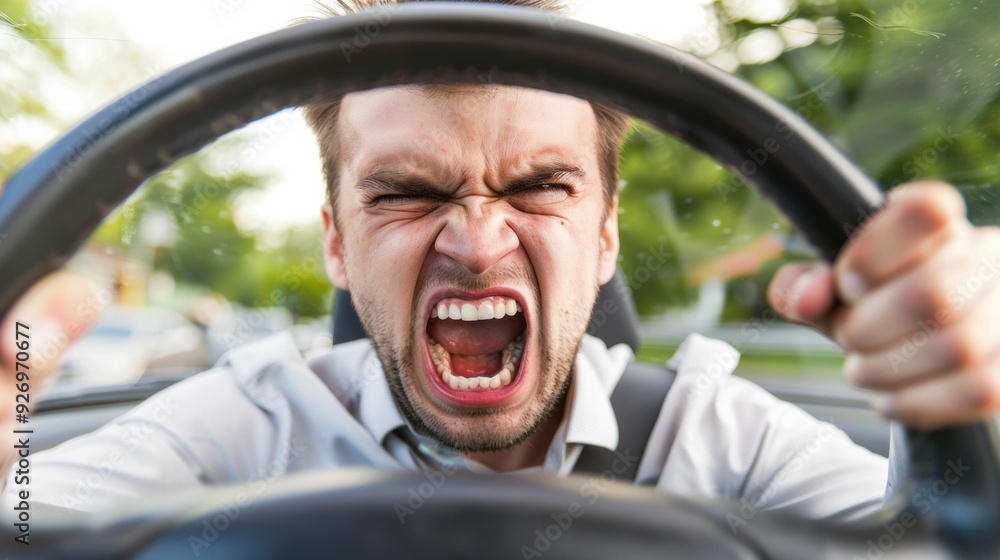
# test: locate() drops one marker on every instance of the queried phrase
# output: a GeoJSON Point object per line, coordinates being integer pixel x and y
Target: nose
{"type": "Point", "coordinates": [477, 235]}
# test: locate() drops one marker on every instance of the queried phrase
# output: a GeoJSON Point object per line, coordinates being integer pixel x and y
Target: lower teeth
{"type": "Point", "coordinates": [509, 358]}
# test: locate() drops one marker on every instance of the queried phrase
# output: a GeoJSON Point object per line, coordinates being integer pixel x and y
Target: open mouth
{"type": "Point", "coordinates": [476, 344]}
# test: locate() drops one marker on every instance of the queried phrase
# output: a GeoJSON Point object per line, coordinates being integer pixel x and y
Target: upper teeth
{"type": "Point", "coordinates": [489, 308]}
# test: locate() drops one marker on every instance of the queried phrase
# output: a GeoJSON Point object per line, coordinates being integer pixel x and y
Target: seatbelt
{"type": "Point", "coordinates": [637, 401]}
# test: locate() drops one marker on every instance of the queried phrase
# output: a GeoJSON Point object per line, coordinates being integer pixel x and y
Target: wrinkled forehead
{"type": "Point", "coordinates": [430, 125]}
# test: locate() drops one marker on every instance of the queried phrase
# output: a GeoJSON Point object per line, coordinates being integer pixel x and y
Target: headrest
{"type": "Point", "coordinates": [614, 319]}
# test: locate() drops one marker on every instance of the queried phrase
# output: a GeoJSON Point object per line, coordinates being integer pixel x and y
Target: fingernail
{"type": "Point", "coordinates": [799, 288]}
{"type": "Point", "coordinates": [852, 287]}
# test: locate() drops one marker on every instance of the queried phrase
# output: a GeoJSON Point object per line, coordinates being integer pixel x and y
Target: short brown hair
{"type": "Point", "coordinates": [322, 115]}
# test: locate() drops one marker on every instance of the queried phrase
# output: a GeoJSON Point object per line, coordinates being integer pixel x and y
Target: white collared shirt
{"type": "Point", "coordinates": [265, 412]}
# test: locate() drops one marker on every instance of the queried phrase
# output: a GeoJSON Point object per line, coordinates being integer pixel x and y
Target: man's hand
{"type": "Point", "coordinates": [58, 310]}
{"type": "Point", "coordinates": [919, 303]}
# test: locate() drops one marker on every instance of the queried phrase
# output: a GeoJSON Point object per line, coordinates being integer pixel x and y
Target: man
{"type": "Point", "coordinates": [473, 226]}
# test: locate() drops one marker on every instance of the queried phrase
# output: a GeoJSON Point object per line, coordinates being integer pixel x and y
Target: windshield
{"type": "Point", "coordinates": [225, 246]}
{"type": "Point", "coordinates": [228, 240]}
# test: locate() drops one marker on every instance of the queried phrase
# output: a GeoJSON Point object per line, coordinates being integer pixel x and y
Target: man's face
{"type": "Point", "coordinates": [472, 235]}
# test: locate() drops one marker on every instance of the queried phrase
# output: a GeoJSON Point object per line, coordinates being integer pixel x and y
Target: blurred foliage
{"type": "Point", "coordinates": [907, 89]}
{"type": "Point", "coordinates": [23, 22]}
{"type": "Point", "coordinates": [195, 205]}
{"type": "Point", "coordinates": [206, 246]}
{"type": "Point", "coordinates": [21, 33]}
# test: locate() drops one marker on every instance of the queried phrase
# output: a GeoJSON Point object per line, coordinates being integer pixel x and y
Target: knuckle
{"type": "Point", "coordinates": [857, 252]}
{"type": "Point", "coordinates": [930, 292]}
{"type": "Point", "coordinates": [967, 348]}
{"type": "Point", "coordinates": [840, 328]}
{"type": "Point", "coordinates": [777, 291]}
{"type": "Point", "coordinates": [847, 341]}
{"type": "Point", "coordinates": [776, 299]}
{"type": "Point", "coordinates": [933, 198]}
{"type": "Point", "coordinates": [871, 378]}
{"type": "Point", "coordinates": [922, 213]}
{"type": "Point", "coordinates": [985, 394]}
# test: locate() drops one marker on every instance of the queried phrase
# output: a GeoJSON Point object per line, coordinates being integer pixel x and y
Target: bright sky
{"type": "Point", "coordinates": [180, 31]}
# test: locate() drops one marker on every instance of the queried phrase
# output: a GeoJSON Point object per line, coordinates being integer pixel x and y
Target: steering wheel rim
{"type": "Point", "coordinates": [53, 203]}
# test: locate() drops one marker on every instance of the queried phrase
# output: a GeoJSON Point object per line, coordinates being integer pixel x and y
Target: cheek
{"type": "Point", "coordinates": [385, 263]}
{"type": "Point", "coordinates": [563, 255]}
{"type": "Point", "coordinates": [560, 242]}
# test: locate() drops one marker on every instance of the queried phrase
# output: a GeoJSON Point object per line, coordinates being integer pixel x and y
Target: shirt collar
{"type": "Point", "coordinates": [376, 407]}
{"type": "Point", "coordinates": [590, 419]}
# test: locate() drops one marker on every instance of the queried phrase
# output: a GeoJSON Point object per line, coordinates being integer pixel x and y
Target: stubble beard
{"type": "Point", "coordinates": [486, 429]}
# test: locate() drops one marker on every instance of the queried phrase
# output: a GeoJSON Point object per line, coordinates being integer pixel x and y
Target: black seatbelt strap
{"type": "Point", "coordinates": [637, 401]}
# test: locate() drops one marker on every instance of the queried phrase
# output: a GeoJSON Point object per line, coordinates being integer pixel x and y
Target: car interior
{"type": "Point", "coordinates": [64, 415]}
{"type": "Point", "coordinates": [810, 181]}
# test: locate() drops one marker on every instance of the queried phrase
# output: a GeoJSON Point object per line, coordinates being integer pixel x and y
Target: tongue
{"type": "Point", "coordinates": [481, 365]}
{"type": "Point", "coordinates": [476, 346]}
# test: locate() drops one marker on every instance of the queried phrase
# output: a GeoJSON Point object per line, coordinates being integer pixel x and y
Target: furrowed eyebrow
{"type": "Point", "coordinates": [544, 174]}
{"type": "Point", "coordinates": [385, 182]}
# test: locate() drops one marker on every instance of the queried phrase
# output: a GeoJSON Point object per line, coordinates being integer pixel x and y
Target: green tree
{"type": "Point", "coordinates": [907, 90]}
{"type": "Point", "coordinates": [24, 45]}
{"type": "Point", "coordinates": [210, 250]}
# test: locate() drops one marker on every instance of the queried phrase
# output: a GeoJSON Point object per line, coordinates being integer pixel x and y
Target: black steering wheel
{"type": "Point", "coordinates": [51, 206]}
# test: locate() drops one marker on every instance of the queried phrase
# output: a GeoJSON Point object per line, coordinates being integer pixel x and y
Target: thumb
{"type": "Point", "coordinates": [804, 292]}
{"type": "Point", "coordinates": [52, 310]}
